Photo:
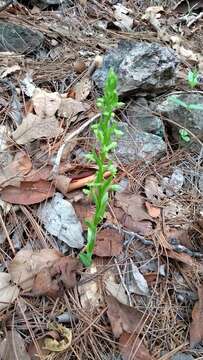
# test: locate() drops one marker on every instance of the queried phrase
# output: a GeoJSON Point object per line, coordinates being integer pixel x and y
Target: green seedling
{"type": "Point", "coordinates": [182, 103]}
{"type": "Point", "coordinates": [184, 135]}
{"type": "Point", "coordinates": [107, 133]}
{"type": "Point", "coordinates": [192, 78]}
{"type": "Point", "coordinates": [182, 132]}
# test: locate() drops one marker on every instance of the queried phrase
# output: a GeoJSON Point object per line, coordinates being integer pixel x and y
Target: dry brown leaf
{"type": "Point", "coordinates": [48, 281]}
{"type": "Point", "coordinates": [28, 193]}
{"type": "Point", "coordinates": [186, 259]}
{"type": "Point", "coordinates": [109, 243]}
{"type": "Point", "coordinates": [82, 88]}
{"type": "Point", "coordinates": [45, 104]}
{"type": "Point", "coordinates": [8, 292]}
{"type": "Point", "coordinates": [89, 291]}
{"type": "Point", "coordinates": [45, 285]}
{"type": "Point", "coordinates": [153, 211]}
{"type": "Point", "coordinates": [27, 263]}
{"type": "Point", "coordinates": [13, 347]}
{"type": "Point", "coordinates": [68, 268]}
{"type": "Point", "coordinates": [196, 328]}
{"type": "Point", "coordinates": [132, 347]}
{"type": "Point", "coordinates": [84, 211]}
{"type": "Point", "coordinates": [69, 108]}
{"type": "Point", "coordinates": [132, 205]}
{"type": "Point", "coordinates": [13, 173]}
{"type": "Point", "coordinates": [114, 288]}
{"type": "Point", "coordinates": [10, 70]}
{"type": "Point", "coordinates": [130, 211]}
{"type": "Point", "coordinates": [180, 235]}
{"type": "Point", "coordinates": [153, 190]}
{"type": "Point", "coordinates": [34, 127]}
{"type": "Point", "coordinates": [123, 317]}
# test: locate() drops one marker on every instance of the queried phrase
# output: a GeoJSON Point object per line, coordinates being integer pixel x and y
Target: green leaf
{"type": "Point", "coordinates": [115, 187]}
{"type": "Point", "coordinates": [184, 135]}
{"type": "Point", "coordinates": [192, 78]}
{"type": "Point", "coordinates": [86, 259]}
{"type": "Point", "coordinates": [195, 107]}
{"type": "Point", "coordinates": [178, 101]}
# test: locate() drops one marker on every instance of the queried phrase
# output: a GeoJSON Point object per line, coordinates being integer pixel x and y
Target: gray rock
{"type": "Point", "coordinates": [141, 67]}
{"type": "Point", "coordinates": [138, 145]}
{"type": "Point", "coordinates": [60, 220]}
{"type": "Point", "coordinates": [141, 117]}
{"type": "Point", "coordinates": [182, 356]}
{"type": "Point", "coordinates": [190, 119]}
{"type": "Point", "coordinates": [19, 39]}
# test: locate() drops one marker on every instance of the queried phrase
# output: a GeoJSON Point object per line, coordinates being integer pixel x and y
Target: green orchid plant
{"type": "Point", "coordinates": [106, 132]}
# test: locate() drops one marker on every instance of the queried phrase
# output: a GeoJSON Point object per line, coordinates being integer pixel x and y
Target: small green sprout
{"type": "Point", "coordinates": [192, 78]}
{"type": "Point", "coordinates": [182, 103]}
{"type": "Point", "coordinates": [184, 135]}
{"type": "Point", "coordinates": [106, 132]}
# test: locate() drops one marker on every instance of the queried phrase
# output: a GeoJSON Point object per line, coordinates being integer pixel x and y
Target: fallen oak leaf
{"type": "Point", "coordinates": [8, 292]}
{"type": "Point", "coordinates": [196, 329]}
{"type": "Point", "coordinates": [45, 285]}
{"type": "Point", "coordinates": [132, 347]}
{"type": "Point", "coordinates": [34, 127]}
{"type": "Point", "coordinates": [152, 210]}
{"type": "Point", "coordinates": [28, 193]}
{"type": "Point", "coordinates": [45, 104]}
{"type": "Point", "coordinates": [131, 213]}
{"type": "Point", "coordinates": [123, 317]}
{"type": "Point", "coordinates": [82, 88]}
{"type": "Point", "coordinates": [27, 263]}
{"type": "Point", "coordinates": [13, 173]}
{"type": "Point", "coordinates": [69, 108]}
{"type": "Point", "coordinates": [109, 243]}
{"type": "Point", "coordinates": [68, 267]}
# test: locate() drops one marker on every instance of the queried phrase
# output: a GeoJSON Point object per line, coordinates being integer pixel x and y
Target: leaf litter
{"type": "Point", "coordinates": [155, 225]}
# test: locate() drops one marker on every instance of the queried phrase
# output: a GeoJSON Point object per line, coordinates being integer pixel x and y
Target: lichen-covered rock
{"type": "Point", "coordinates": [138, 145]}
{"type": "Point", "coordinates": [190, 119]}
{"type": "Point", "coordinates": [19, 39]}
{"type": "Point", "coordinates": [141, 67]}
{"type": "Point", "coordinates": [141, 117]}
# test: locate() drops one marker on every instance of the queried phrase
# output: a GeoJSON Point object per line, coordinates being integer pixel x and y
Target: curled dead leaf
{"type": "Point", "coordinates": [54, 345]}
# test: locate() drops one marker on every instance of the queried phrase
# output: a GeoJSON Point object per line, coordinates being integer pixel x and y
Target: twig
{"type": "Point", "coordinates": [123, 282]}
{"type": "Point", "coordinates": [69, 137]}
{"type": "Point", "coordinates": [7, 234]}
